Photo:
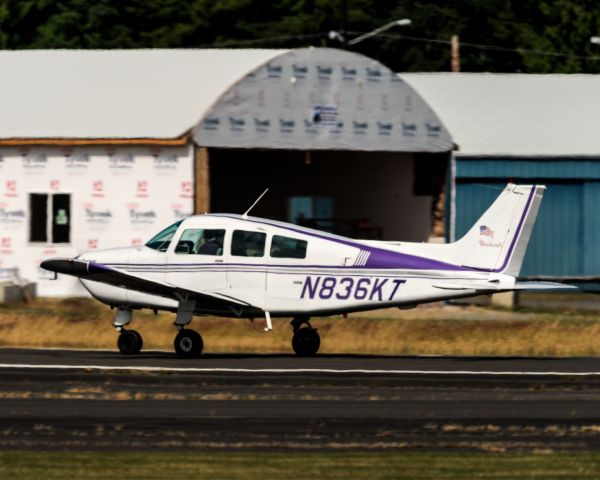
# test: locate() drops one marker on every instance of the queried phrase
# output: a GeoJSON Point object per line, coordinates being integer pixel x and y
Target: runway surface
{"type": "Point", "coordinates": [58, 358]}
{"type": "Point", "coordinates": [84, 399]}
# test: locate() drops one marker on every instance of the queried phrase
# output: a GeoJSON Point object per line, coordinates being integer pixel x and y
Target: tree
{"type": "Point", "coordinates": [496, 35]}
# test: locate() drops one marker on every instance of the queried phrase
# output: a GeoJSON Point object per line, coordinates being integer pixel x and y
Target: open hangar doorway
{"type": "Point", "coordinates": [372, 195]}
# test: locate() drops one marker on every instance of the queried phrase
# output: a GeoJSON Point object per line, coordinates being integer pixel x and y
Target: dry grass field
{"type": "Point", "coordinates": [436, 330]}
{"type": "Point", "coordinates": [297, 465]}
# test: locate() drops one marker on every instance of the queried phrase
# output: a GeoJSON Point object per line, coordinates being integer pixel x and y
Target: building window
{"type": "Point", "coordinates": [50, 217]}
{"type": "Point", "coordinates": [248, 244]}
{"type": "Point", "coordinates": [287, 247]}
{"type": "Point", "coordinates": [312, 212]}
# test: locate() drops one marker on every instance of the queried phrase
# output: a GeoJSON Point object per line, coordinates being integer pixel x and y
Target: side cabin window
{"type": "Point", "coordinates": [287, 247]}
{"type": "Point", "coordinates": [201, 241]}
{"type": "Point", "coordinates": [162, 239]}
{"type": "Point", "coordinates": [248, 244]}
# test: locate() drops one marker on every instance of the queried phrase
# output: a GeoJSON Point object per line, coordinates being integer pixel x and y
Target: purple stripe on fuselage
{"type": "Point", "coordinates": [378, 257]}
{"type": "Point", "coordinates": [94, 267]}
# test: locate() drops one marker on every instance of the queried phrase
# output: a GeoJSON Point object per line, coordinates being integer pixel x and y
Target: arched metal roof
{"type": "Point", "coordinates": [321, 98]}
{"type": "Point", "coordinates": [311, 98]}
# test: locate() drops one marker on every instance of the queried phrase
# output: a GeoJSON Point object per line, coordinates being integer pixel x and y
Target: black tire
{"type": "Point", "coordinates": [188, 344]}
{"type": "Point", "coordinates": [306, 342]}
{"type": "Point", "coordinates": [130, 342]}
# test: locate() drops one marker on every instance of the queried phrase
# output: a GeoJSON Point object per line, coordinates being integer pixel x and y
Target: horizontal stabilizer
{"type": "Point", "coordinates": [541, 286]}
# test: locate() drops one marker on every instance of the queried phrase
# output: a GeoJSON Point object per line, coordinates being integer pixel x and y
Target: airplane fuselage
{"type": "Point", "coordinates": [281, 268]}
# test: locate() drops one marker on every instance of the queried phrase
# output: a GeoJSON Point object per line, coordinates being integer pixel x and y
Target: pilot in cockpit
{"type": "Point", "coordinates": [209, 243]}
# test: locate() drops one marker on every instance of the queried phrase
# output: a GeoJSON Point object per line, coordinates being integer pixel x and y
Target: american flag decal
{"type": "Point", "coordinates": [486, 231]}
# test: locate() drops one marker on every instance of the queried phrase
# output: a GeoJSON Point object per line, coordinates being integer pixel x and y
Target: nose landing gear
{"type": "Point", "coordinates": [306, 341]}
{"type": "Point", "coordinates": [129, 342]}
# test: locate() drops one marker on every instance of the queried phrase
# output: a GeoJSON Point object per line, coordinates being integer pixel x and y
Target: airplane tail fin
{"type": "Point", "coordinates": [498, 240]}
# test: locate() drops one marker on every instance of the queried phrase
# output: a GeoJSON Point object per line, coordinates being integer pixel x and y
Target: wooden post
{"type": "Point", "coordinates": [455, 53]}
{"type": "Point", "coordinates": [201, 181]}
{"type": "Point", "coordinates": [438, 229]}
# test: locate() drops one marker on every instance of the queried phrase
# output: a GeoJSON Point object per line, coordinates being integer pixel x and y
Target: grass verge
{"type": "Point", "coordinates": [436, 330]}
{"type": "Point", "coordinates": [273, 466]}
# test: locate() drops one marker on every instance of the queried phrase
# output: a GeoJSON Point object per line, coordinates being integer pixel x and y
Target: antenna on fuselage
{"type": "Point", "coordinates": [245, 215]}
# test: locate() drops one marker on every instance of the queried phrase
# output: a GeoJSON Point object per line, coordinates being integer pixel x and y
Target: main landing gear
{"type": "Point", "coordinates": [306, 341]}
{"type": "Point", "coordinates": [188, 343]}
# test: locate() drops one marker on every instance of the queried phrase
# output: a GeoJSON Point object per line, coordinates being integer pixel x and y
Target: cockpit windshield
{"type": "Point", "coordinates": [162, 240]}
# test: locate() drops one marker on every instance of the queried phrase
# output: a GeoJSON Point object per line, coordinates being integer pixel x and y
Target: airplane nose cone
{"type": "Point", "coordinates": [67, 266]}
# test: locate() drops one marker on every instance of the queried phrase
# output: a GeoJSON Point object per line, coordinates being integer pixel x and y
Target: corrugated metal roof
{"type": "Point", "coordinates": [115, 93]}
{"type": "Point", "coordinates": [516, 114]}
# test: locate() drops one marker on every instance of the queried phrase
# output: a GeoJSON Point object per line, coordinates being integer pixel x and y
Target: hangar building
{"type": "Point", "coordinates": [531, 129]}
{"type": "Point", "coordinates": [101, 149]}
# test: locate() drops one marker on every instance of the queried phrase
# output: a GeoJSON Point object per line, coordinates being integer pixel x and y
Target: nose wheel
{"type": "Point", "coordinates": [129, 342]}
{"type": "Point", "coordinates": [306, 341]}
{"type": "Point", "coordinates": [188, 343]}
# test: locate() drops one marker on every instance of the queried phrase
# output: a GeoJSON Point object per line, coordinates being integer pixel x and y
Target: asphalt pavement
{"type": "Point", "coordinates": [91, 399]}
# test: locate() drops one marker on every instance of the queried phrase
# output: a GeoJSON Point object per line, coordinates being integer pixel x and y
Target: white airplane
{"type": "Point", "coordinates": [248, 267]}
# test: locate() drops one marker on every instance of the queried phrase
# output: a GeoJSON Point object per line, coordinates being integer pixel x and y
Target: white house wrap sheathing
{"type": "Point", "coordinates": [120, 196]}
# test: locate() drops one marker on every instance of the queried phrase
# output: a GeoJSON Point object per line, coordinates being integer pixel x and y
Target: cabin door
{"type": "Point", "coordinates": [247, 269]}
{"type": "Point", "coordinates": [197, 261]}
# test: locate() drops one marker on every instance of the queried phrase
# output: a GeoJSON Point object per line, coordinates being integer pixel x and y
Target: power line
{"type": "Point", "coordinates": [396, 36]}
{"type": "Point", "coordinates": [253, 41]}
{"type": "Point", "coordinates": [493, 47]}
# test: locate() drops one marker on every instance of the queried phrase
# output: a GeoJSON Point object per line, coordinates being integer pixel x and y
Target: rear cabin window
{"type": "Point", "coordinates": [200, 241]}
{"type": "Point", "coordinates": [248, 244]}
{"type": "Point", "coordinates": [286, 247]}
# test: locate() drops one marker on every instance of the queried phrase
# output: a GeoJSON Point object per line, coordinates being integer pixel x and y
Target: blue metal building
{"type": "Point", "coordinates": [528, 129]}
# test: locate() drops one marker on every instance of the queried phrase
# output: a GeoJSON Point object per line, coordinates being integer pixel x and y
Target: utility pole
{"type": "Point", "coordinates": [455, 53]}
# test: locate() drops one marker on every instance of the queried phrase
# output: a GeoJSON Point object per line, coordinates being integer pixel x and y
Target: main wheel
{"type": "Point", "coordinates": [188, 344]}
{"type": "Point", "coordinates": [306, 342]}
{"type": "Point", "coordinates": [130, 342]}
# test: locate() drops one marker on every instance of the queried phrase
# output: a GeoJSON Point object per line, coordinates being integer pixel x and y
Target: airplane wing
{"type": "Point", "coordinates": [491, 287]}
{"type": "Point", "coordinates": [98, 272]}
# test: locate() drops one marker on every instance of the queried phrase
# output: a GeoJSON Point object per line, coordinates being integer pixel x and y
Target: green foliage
{"type": "Point", "coordinates": [565, 27]}
{"type": "Point", "coordinates": [497, 35]}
